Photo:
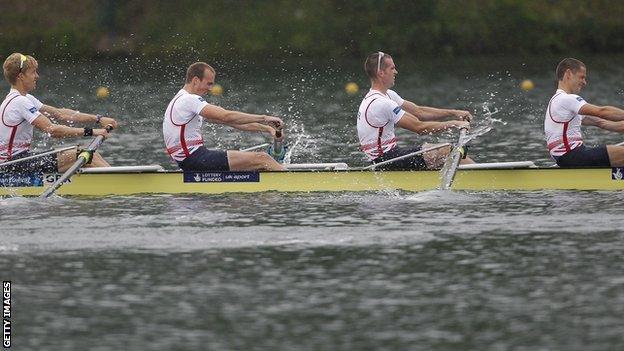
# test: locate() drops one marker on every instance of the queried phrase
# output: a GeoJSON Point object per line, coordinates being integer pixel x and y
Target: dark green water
{"type": "Point", "coordinates": [392, 270]}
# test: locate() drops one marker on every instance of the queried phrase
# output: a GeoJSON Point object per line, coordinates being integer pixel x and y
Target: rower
{"type": "Point", "coordinates": [182, 128]}
{"type": "Point", "coordinates": [20, 112]}
{"type": "Point", "coordinates": [566, 112]}
{"type": "Point", "coordinates": [383, 108]}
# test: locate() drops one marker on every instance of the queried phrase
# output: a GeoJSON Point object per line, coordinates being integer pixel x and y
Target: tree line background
{"type": "Point", "coordinates": [309, 28]}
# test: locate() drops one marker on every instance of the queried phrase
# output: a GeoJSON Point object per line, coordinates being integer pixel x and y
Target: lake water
{"type": "Point", "coordinates": [351, 271]}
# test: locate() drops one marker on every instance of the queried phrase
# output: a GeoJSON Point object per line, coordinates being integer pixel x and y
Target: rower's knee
{"type": "Point", "coordinates": [616, 155]}
{"type": "Point", "coordinates": [259, 159]}
{"type": "Point", "coordinates": [434, 159]}
{"type": "Point", "coordinates": [248, 161]}
{"type": "Point", "coordinates": [98, 161]}
{"type": "Point", "coordinates": [262, 160]}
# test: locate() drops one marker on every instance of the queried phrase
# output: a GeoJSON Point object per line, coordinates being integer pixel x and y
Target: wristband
{"type": "Point", "coordinates": [97, 119]}
{"type": "Point", "coordinates": [88, 131]}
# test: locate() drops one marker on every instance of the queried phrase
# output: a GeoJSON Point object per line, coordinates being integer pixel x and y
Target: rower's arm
{"type": "Point", "coordinates": [614, 126]}
{"type": "Point", "coordinates": [426, 113]}
{"type": "Point", "coordinates": [44, 124]}
{"type": "Point", "coordinates": [607, 112]}
{"type": "Point", "coordinates": [412, 123]}
{"type": "Point", "coordinates": [257, 127]}
{"type": "Point", "coordinates": [235, 119]}
{"type": "Point", "coordinates": [252, 127]}
{"type": "Point", "coordinates": [68, 115]}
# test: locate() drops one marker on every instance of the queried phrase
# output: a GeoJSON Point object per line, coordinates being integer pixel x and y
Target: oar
{"type": "Point", "coordinates": [45, 153]}
{"type": "Point", "coordinates": [84, 157]}
{"type": "Point", "coordinates": [375, 165]}
{"type": "Point", "coordinates": [256, 147]}
{"type": "Point", "coordinates": [447, 174]}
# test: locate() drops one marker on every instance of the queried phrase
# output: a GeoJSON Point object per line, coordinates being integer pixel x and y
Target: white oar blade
{"type": "Point", "coordinates": [447, 174]}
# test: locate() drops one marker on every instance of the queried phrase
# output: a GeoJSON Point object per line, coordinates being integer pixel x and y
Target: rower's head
{"type": "Point", "coordinates": [380, 68]}
{"type": "Point", "coordinates": [21, 71]}
{"type": "Point", "coordinates": [200, 78]}
{"type": "Point", "coordinates": [571, 75]}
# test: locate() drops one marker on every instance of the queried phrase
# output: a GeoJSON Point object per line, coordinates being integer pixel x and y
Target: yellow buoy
{"type": "Point", "coordinates": [217, 90]}
{"type": "Point", "coordinates": [352, 88]}
{"type": "Point", "coordinates": [527, 85]}
{"type": "Point", "coordinates": [102, 93]}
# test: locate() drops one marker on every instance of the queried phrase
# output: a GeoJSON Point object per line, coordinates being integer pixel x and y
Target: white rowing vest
{"type": "Point", "coordinates": [562, 124]}
{"type": "Point", "coordinates": [377, 115]}
{"type": "Point", "coordinates": [17, 112]}
{"type": "Point", "coordinates": [182, 125]}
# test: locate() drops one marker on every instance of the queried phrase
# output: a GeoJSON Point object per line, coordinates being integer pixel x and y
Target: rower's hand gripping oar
{"type": "Point", "coordinates": [83, 158]}
{"type": "Point", "coordinates": [447, 174]}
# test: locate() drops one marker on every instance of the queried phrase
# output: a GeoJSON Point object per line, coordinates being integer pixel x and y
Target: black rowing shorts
{"type": "Point", "coordinates": [43, 164]}
{"type": "Point", "coordinates": [412, 163]}
{"type": "Point", "coordinates": [203, 159]}
{"type": "Point", "coordinates": [583, 156]}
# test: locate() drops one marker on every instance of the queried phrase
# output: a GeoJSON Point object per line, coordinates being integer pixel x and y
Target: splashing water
{"type": "Point", "coordinates": [301, 136]}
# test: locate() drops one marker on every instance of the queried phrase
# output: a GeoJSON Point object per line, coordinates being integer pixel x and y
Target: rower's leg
{"type": "Point", "coordinates": [434, 159]}
{"type": "Point", "coordinates": [466, 161]}
{"type": "Point", "coordinates": [251, 161]}
{"type": "Point", "coordinates": [65, 159]}
{"type": "Point", "coordinates": [98, 161]}
{"type": "Point", "coordinates": [616, 155]}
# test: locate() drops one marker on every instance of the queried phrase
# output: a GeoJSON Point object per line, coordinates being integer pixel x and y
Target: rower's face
{"type": "Point", "coordinates": [578, 79]}
{"type": "Point", "coordinates": [205, 84]}
{"type": "Point", "coordinates": [388, 74]}
{"type": "Point", "coordinates": [29, 77]}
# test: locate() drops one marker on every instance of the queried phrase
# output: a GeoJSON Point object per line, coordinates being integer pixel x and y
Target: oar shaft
{"type": "Point", "coordinates": [79, 163]}
{"type": "Point", "coordinates": [256, 147]}
{"type": "Point", "coordinates": [373, 166]}
{"type": "Point", "coordinates": [8, 163]}
{"type": "Point", "coordinates": [82, 158]}
{"type": "Point", "coordinates": [277, 144]}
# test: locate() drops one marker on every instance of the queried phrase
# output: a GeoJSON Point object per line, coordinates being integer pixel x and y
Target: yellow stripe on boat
{"type": "Point", "coordinates": [98, 184]}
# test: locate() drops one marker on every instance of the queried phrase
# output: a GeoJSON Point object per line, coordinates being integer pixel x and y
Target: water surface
{"type": "Point", "coordinates": [379, 270]}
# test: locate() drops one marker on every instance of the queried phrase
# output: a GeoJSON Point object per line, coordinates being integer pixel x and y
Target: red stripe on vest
{"type": "Point", "coordinates": [565, 137]}
{"type": "Point", "coordinates": [171, 113]}
{"type": "Point", "coordinates": [374, 145]}
{"type": "Point", "coordinates": [549, 113]}
{"type": "Point", "coordinates": [13, 131]}
{"type": "Point", "coordinates": [379, 148]}
{"type": "Point", "coordinates": [380, 129]}
{"type": "Point", "coordinates": [566, 142]}
{"type": "Point", "coordinates": [10, 148]}
{"type": "Point", "coordinates": [183, 143]}
{"type": "Point", "coordinates": [559, 142]}
{"type": "Point", "coordinates": [5, 107]}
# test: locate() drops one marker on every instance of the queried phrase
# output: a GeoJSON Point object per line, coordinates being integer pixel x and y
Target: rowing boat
{"type": "Point", "coordinates": [155, 180]}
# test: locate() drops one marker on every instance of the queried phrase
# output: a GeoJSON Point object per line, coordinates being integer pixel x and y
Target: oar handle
{"type": "Point", "coordinates": [277, 149]}
{"type": "Point", "coordinates": [277, 144]}
{"type": "Point", "coordinates": [98, 140]}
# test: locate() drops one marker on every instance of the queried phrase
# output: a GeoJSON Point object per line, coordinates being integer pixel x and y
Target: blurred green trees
{"type": "Point", "coordinates": [310, 28]}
